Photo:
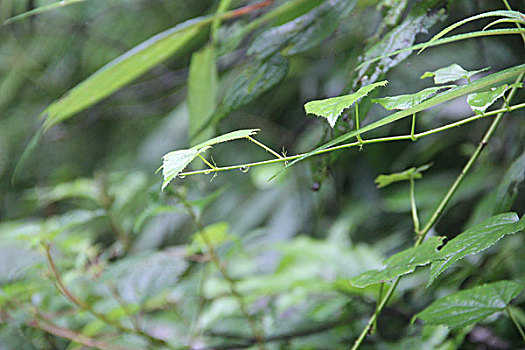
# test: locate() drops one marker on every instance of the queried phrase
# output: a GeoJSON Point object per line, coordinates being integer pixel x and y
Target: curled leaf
{"type": "Point", "coordinates": [403, 102]}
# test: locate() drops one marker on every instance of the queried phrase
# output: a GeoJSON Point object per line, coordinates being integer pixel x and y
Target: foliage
{"type": "Point", "coordinates": [240, 242]}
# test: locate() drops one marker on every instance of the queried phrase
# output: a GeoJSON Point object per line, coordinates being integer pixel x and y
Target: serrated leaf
{"type": "Point", "coordinates": [475, 240]}
{"type": "Point", "coordinates": [508, 187]}
{"type": "Point", "coordinates": [202, 90]}
{"type": "Point", "coordinates": [119, 72]}
{"type": "Point", "coordinates": [174, 162]}
{"type": "Point", "coordinates": [400, 264]}
{"type": "Point", "coordinates": [302, 33]}
{"type": "Point", "coordinates": [414, 173]}
{"type": "Point", "coordinates": [234, 135]}
{"type": "Point", "coordinates": [403, 102]}
{"type": "Point", "coordinates": [480, 101]}
{"type": "Point", "coordinates": [255, 80]}
{"type": "Point", "coordinates": [433, 101]}
{"type": "Point", "coordinates": [472, 305]}
{"type": "Point", "coordinates": [451, 73]}
{"type": "Point", "coordinates": [331, 108]}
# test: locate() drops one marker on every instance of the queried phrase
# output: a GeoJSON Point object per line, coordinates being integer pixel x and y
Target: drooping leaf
{"type": "Point", "coordinates": [443, 97]}
{"type": "Point", "coordinates": [475, 240]}
{"type": "Point", "coordinates": [480, 101]}
{"type": "Point", "coordinates": [420, 19]}
{"type": "Point", "coordinates": [508, 187]}
{"type": "Point", "coordinates": [202, 90]}
{"type": "Point", "coordinates": [471, 306]}
{"type": "Point", "coordinates": [403, 102]}
{"type": "Point", "coordinates": [500, 13]}
{"type": "Point", "coordinates": [414, 173]}
{"type": "Point", "coordinates": [119, 72]}
{"type": "Point", "coordinates": [302, 33]}
{"type": "Point", "coordinates": [174, 162]}
{"type": "Point", "coordinates": [331, 108]}
{"type": "Point", "coordinates": [234, 135]}
{"type": "Point", "coordinates": [451, 73]}
{"type": "Point", "coordinates": [255, 80]}
{"type": "Point", "coordinates": [401, 263]}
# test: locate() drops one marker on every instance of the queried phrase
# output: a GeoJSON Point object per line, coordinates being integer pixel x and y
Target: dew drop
{"type": "Point", "coordinates": [180, 176]}
{"type": "Point", "coordinates": [245, 169]}
{"type": "Point", "coordinates": [285, 163]}
{"type": "Point", "coordinates": [207, 171]}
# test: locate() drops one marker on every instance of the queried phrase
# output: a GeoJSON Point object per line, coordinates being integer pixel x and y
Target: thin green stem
{"type": "Point", "coordinates": [223, 6]}
{"type": "Point", "coordinates": [357, 125]}
{"type": "Point", "coordinates": [374, 317]}
{"type": "Point", "coordinates": [379, 298]}
{"type": "Point", "coordinates": [364, 142]}
{"type": "Point", "coordinates": [413, 128]}
{"type": "Point", "coordinates": [213, 167]}
{"type": "Point", "coordinates": [507, 5]}
{"type": "Point", "coordinates": [488, 134]}
{"type": "Point", "coordinates": [442, 205]}
{"type": "Point", "coordinates": [263, 146]}
{"type": "Point", "coordinates": [516, 322]}
{"type": "Point", "coordinates": [413, 207]}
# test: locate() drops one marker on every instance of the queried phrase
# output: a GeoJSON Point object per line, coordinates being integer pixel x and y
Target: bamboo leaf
{"type": "Point", "coordinates": [119, 72]}
{"type": "Point", "coordinates": [501, 13]}
{"type": "Point", "coordinates": [403, 102]}
{"type": "Point", "coordinates": [400, 264]}
{"type": "Point", "coordinates": [443, 97]}
{"type": "Point", "coordinates": [451, 73]}
{"type": "Point", "coordinates": [472, 305]}
{"type": "Point", "coordinates": [332, 108]}
{"type": "Point", "coordinates": [475, 240]}
{"type": "Point", "coordinates": [202, 89]}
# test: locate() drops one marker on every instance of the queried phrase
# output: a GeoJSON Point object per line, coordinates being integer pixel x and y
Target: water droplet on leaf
{"type": "Point", "coordinates": [245, 169]}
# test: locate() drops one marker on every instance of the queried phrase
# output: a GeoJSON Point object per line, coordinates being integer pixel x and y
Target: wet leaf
{"type": "Point", "coordinates": [403, 102]}
{"type": "Point", "coordinates": [472, 305]}
{"type": "Point", "coordinates": [331, 108]}
{"type": "Point", "coordinates": [451, 73]}
{"type": "Point", "coordinates": [174, 162]}
{"type": "Point", "coordinates": [475, 240]}
{"type": "Point", "coordinates": [480, 101]}
{"type": "Point", "coordinates": [401, 263]}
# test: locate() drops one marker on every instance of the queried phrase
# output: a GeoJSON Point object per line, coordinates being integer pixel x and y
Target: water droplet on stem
{"type": "Point", "coordinates": [245, 169]}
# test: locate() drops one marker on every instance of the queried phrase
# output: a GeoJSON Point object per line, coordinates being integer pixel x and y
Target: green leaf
{"type": "Point", "coordinates": [475, 240]}
{"type": "Point", "coordinates": [400, 264]}
{"type": "Point", "coordinates": [422, 16]}
{"type": "Point", "coordinates": [403, 102]}
{"type": "Point", "coordinates": [202, 90]}
{"type": "Point", "coordinates": [412, 173]}
{"type": "Point", "coordinates": [451, 73]}
{"type": "Point", "coordinates": [120, 72]}
{"type": "Point", "coordinates": [502, 13]}
{"type": "Point", "coordinates": [151, 212]}
{"type": "Point", "coordinates": [472, 305]}
{"type": "Point", "coordinates": [234, 135]}
{"type": "Point", "coordinates": [433, 101]}
{"type": "Point", "coordinates": [255, 80]}
{"type": "Point", "coordinates": [302, 33]}
{"type": "Point", "coordinates": [40, 9]}
{"type": "Point", "coordinates": [332, 108]}
{"type": "Point", "coordinates": [174, 162]}
{"type": "Point", "coordinates": [507, 190]}
{"type": "Point", "coordinates": [216, 234]}
{"type": "Point", "coordinates": [480, 101]}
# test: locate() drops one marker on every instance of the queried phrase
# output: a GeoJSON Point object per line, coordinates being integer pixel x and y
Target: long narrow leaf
{"type": "Point", "coordinates": [40, 9]}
